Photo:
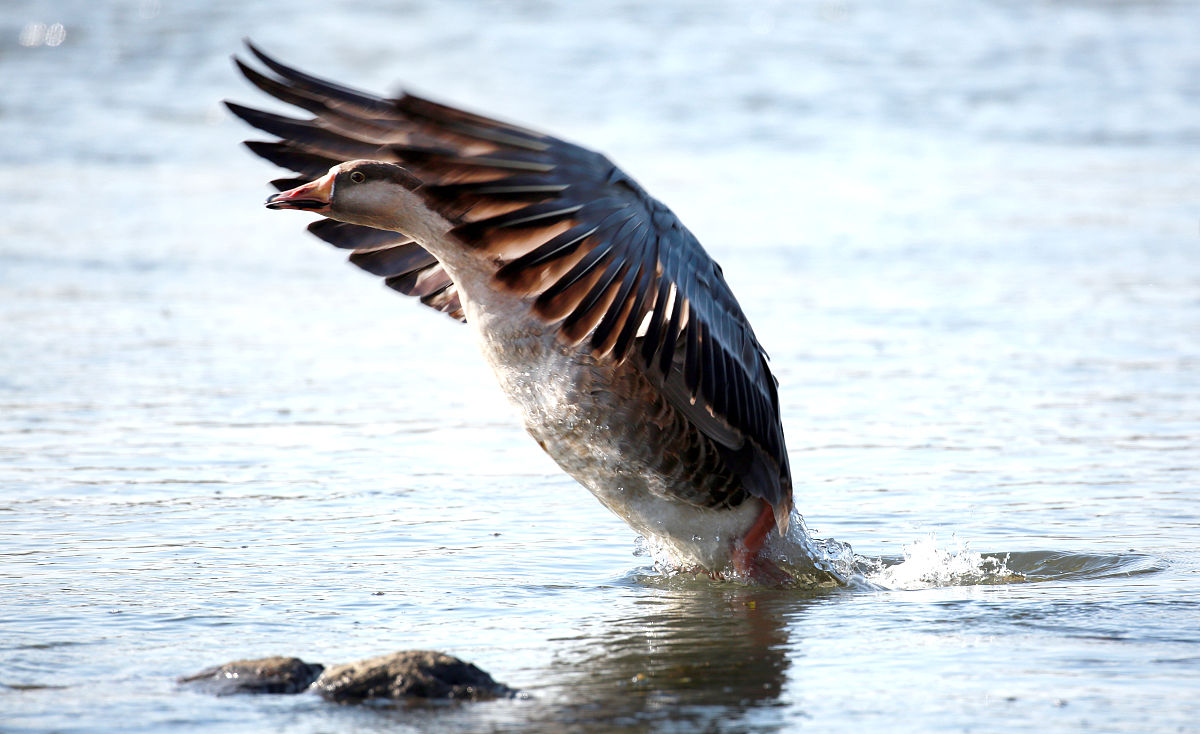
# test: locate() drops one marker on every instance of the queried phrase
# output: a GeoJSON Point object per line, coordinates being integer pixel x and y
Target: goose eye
{"type": "Point", "coordinates": [358, 177]}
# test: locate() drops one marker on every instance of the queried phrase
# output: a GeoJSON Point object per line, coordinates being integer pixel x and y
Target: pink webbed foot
{"type": "Point", "coordinates": [748, 561]}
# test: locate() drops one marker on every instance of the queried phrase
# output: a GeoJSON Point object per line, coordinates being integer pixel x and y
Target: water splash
{"type": "Point", "coordinates": [928, 564]}
{"type": "Point", "coordinates": [812, 562]}
{"type": "Point", "coordinates": [808, 562]}
{"type": "Point", "coordinates": [798, 560]}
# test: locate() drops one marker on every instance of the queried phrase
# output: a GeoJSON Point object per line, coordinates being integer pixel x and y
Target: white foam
{"type": "Point", "coordinates": [928, 564]}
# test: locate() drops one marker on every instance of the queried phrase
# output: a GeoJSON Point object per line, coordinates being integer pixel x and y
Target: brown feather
{"type": "Point", "coordinates": [592, 309]}
{"type": "Point", "coordinates": [558, 302]}
{"type": "Point", "coordinates": [604, 338]}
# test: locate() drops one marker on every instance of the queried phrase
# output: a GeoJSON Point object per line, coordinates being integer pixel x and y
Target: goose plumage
{"type": "Point", "coordinates": [603, 318]}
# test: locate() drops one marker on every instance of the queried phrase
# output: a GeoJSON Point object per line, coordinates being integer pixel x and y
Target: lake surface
{"type": "Point", "coordinates": [968, 235]}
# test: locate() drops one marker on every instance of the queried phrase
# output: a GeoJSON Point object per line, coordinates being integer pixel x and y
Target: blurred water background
{"type": "Point", "coordinates": [966, 232]}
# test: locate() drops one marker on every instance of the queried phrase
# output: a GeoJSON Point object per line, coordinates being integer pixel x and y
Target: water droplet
{"type": "Point", "coordinates": [56, 34]}
{"type": "Point", "coordinates": [32, 34]}
{"type": "Point", "coordinates": [40, 34]}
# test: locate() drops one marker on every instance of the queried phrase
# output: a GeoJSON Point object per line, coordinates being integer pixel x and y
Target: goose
{"type": "Point", "coordinates": [605, 322]}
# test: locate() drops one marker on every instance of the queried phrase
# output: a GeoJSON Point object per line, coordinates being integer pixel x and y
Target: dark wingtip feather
{"type": "Point", "coordinates": [312, 83]}
{"type": "Point", "coordinates": [287, 156]}
{"type": "Point", "coordinates": [305, 133]}
{"type": "Point", "coordinates": [276, 89]}
{"type": "Point", "coordinates": [283, 184]}
{"type": "Point", "coordinates": [392, 261]}
{"type": "Point", "coordinates": [345, 236]}
{"type": "Point", "coordinates": [241, 110]}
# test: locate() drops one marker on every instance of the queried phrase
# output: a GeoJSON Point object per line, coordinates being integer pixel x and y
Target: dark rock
{"type": "Point", "coordinates": [266, 675]}
{"type": "Point", "coordinates": [412, 674]}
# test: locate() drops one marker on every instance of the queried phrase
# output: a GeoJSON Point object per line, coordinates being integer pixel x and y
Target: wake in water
{"type": "Point", "coordinates": [806, 562]}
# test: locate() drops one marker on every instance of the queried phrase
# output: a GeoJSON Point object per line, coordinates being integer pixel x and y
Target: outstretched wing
{"type": "Point", "coordinates": [598, 258]}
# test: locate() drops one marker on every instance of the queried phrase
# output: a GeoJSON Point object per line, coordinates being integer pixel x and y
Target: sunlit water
{"type": "Point", "coordinates": [966, 233]}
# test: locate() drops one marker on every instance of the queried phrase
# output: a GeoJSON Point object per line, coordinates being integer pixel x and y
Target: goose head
{"type": "Point", "coordinates": [359, 192]}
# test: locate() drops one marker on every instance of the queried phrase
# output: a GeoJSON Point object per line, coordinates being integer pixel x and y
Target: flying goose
{"type": "Point", "coordinates": [604, 320]}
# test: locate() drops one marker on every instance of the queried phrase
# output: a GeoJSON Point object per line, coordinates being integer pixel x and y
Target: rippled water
{"type": "Point", "coordinates": [966, 233]}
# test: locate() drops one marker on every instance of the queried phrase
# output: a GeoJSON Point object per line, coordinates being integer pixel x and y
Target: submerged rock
{"type": "Point", "coordinates": [411, 674]}
{"type": "Point", "coordinates": [266, 675]}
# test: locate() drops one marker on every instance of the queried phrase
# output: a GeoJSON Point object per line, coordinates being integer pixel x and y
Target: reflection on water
{"type": "Point", "coordinates": [694, 655]}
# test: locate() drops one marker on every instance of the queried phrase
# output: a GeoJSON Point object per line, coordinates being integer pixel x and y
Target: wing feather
{"type": "Point", "coordinates": [355, 236]}
{"type": "Point", "coordinates": [638, 309]}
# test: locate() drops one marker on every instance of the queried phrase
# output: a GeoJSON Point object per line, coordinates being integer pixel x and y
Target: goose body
{"type": "Point", "coordinates": [609, 428]}
{"type": "Point", "coordinates": [603, 319]}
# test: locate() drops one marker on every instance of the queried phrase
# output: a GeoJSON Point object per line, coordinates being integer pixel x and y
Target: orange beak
{"type": "Point", "coordinates": [313, 196]}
